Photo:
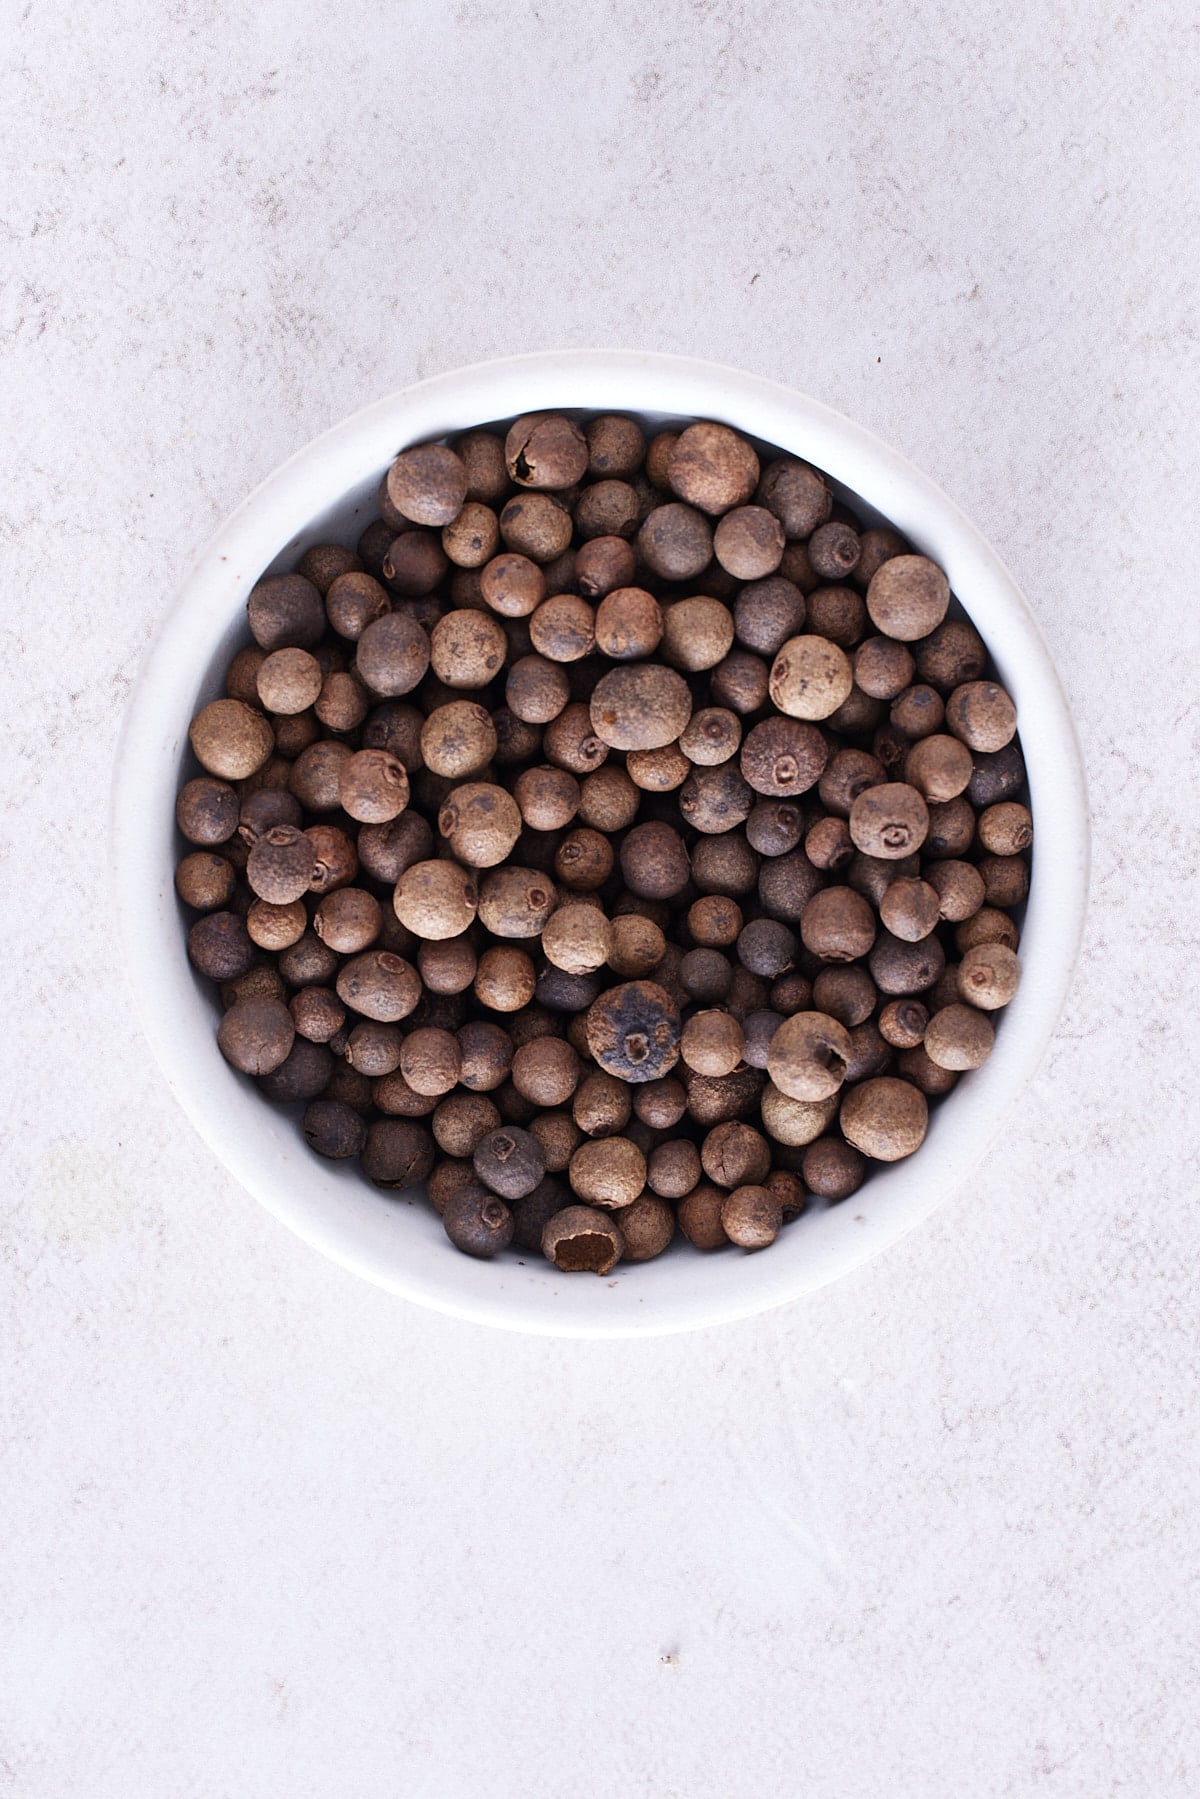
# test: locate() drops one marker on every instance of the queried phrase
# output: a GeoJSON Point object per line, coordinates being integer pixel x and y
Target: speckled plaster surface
{"type": "Point", "coordinates": [266, 1530]}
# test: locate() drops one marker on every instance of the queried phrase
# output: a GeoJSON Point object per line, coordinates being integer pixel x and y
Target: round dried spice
{"type": "Point", "coordinates": [838, 925]}
{"type": "Point", "coordinates": [988, 975]}
{"type": "Point", "coordinates": [810, 677]}
{"type": "Point", "coordinates": [958, 1037]}
{"type": "Point", "coordinates": [231, 739]}
{"type": "Point", "coordinates": [477, 1222]}
{"type": "Point", "coordinates": [885, 1118]}
{"type": "Point", "coordinates": [288, 681]}
{"type": "Point", "coordinates": [256, 1035]}
{"type": "Point", "coordinates": [675, 542]}
{"type": "Point", "coordinates": [373, 787]}
{"type": "Point", "coordinates": [480, 823]}
{"type": "Point", "coordinates": [544, 449]}
{"type": "Point", "coordinates": [467, 648]}
{"type": "Point", "coordinates": [428, 484]}
{"type": "Point", "coordinates": [436, 899]}
{"type": "Point", "coordinates": [392, 655]}
{"type": "Point", "coordinates": [629, 624]}
{"type": "Point", "coordinates": [509, 1162]}
{"type": "Point", "coordinates": [751, 1217]}
{"type": "Point", "coordinates": [285, 612]}
{"type": "Point", "coordinates": [749, 542]}
{"type": "Point", "coordinates": [608, 1172]}
{"type": "Point", "coordinates": [582, 1240]}
{"type": "Point", "coordinates": [981, 714]}
{"type": "Point", "coordinates": [563, 628]}
{"type": "Point", "coordinates": [796, 494]}
{"type": "Point", "coordinates": [280, 865]}
{"type": "Point", "coordinates": [641, 706]}
{"type": "Point", "coordinates": [634, 1031]}
{"type": "Point", "coordinates": [907, 597]}
{"type": "Point", "coordinates": [808, 1056]}
{"type": "Point", "coordinates": [712, 468]}
{"type": "Point", "coordinates": [458, 739]}
{"type": "Point", "coordinates": [512, 585]}
{"type": "Point", "coordinates": [782, 757]}
{"type": "Point", "coordinates": [889, 821]}
{"type": "Point", "coordinates": [697, 633]}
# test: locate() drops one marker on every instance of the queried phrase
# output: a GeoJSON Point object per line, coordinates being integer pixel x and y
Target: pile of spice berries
{"type": "Point", "coordinates": [620, 839]}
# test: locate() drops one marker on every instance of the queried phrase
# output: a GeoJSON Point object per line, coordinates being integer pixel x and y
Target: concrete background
{"type": "Point", "coordinates": [265, 1530]}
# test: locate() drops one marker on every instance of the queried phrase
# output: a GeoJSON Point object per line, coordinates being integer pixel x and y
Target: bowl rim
{"type": "Point", "coordinates": [145, 776]}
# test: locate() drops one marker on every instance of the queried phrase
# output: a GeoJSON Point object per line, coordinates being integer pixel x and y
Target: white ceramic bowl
{"type": "Point", "coordinates": [326, 491]}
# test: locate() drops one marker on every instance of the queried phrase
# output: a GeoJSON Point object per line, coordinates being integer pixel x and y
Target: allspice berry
{"type": "Point", "coordinates": [1005, 829]}
{"type": "Point", "coordinates": [883, 668]}
{"type": "Point", "coordinates": [477, 1222]}
{"type": "Point", "coordinates": [334, 1129]}
{"type": "Point", "coordinates": [988, 975]}
{"type": "Point", "coordinates": [608, 800]}
{"type": "Point", "coordinates": [546, 450]}
{"type": "Point", "coordinates": [700, 1216]}
{"type": "Point", "coordinates": [838, 925]}
{"type": "Point", "coordinates": [655, 861]}
{"type": "Point", "coordinates": [889, 821]}
{"type": "Point", "coordinates": [285, 612]}
{"type": "Point", "coordinates": [602, 564]}
{"type": "Point", "coordinates": [536, 525]}
{"type": "Point", "coordinates": [205, 881]}
{"type": "Point", "coordinates": [289, 681]}
{"type": "Point", "coordinates": [582, 1239]}
{"type": "Point", "coordinates": [752, 1217]}
{"type": "Point", "coordinates": [640, 706]}
{"type": "Point", "coordinates": [885, 1118]}
{"type": "Point", "coordinates": [392, 655]}
{"type": "Point", "coordinates": [629, 624]}
{"type": "Point", "coordinates": [505, 979]}
{"type": "Point", "coordinates": [373, 787]}
{"type": "Point", "coordinates": [712, 468]}
{"type": "Point", "coordinates": [436, 899]}
{"type": "Point", "coordinates": [512, 585]}
{"type": "Point", "coordinates": [647, 1227]}
{"type": "Point", "coordinates": [810, 677]}
{"type": "Point", "coordinates": [536, 689]}
{"type": "Point", "coordinates": [808, 1055]}
{"type": "Point", "coordinates": [796, 494]}
{"type": "Point", "coordinates": [697, 634]}
{"type": "Point", "coordinates": [795, 1121]}
{"type": "Point", "coordinates": [546, 1071]}
{"type": "Point", "coordinates": [675, 542]}
{"type": "Point", "coordinates": [256, 1035]}
{"type": "Point", "coordinates": [207, 811]}
{"type": "Point", "coordinates": [577, 937]}
{"type": "Point", "coordinates": [734, 1154]}
{"type": "Point", "coordinates": [516, 901]}
{"type": "Point", "coordinates": [953, 654]}
{"type": "Point", "coordinates": [980, 713]}
{"type": "Point", "coordinates": [608, 1172]}
{"type": "Point", "coordinates": [910, 909]}
{"type": "Point", "coordinates": [467, 648]}
{"type": "Point", "coordinates": [348, 920]}
{"type": "Point", "coordinates": [379, 985]}
{"type": "Point", "coordinates": [563, 628]}
{"type": "Point", "coordinates": [415, 563]}
{"type": "Point", "coordinates": [939, 767]}
{"type": "Point", "coordinates": [232, 740]}
{"type": "Point", "coordinates": [782, 757]}
{"type": "Point", "coordinates": [832, 1169]}
{"type": "Point", "coordinates": [907, 597]}
{"type": "Point", "coordinates": [902, 1023]}
{"type": "Point", "coordinates": [354, 601]}
{"type": "Point", "coordinates": [583, 860]}
{"type": "Point", "coordinates": [636, 946]}
{"type": "Point", "coordinates": [833, 550]}
{"type": "Point", "coordinates": [633, 1031]}
{"type": "Point", "coordinates": [959, 1037]}
{"type": "Point", "coordinates": [749, 542]}
{"type": "Point", "coordinates": [712, 1043]}
{"type": "Point", "coordinates": [508, 1162]}
{"type": "Point", "coordinates": [280, 865]}
{"type": "Point", "coordinates": [398, 1153]}
{"type": "Point", "coordinates": [480, 823]}
{"type": "Point", "coordinates": [428, 484]}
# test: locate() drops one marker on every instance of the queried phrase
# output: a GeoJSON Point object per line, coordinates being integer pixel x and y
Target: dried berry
{"type": "Point", "coordinates": [634, 1030]}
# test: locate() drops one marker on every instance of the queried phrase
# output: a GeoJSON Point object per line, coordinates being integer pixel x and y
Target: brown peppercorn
{"type": "Point", "coordinates": [918, 711]}
{"type": "Point", "coordinates": [883, 668]}
{"type": "Point", "coordinates": [308, 963]}
{"type": "Point", "coordinates": [480, 823]}
{"type": "Point", "coordinates": [767, 613]}
{"type": "Point", "coordinates": [387, 850]}
{"type": "Point", "coordinates": [316, 776]}
{"type": "Point", "coordinates": [640, 706]}
{"type": "Point", "coordinates": [647, 1227]}
{"type": "Point", "coordinates": [907, 597]}
{"type": "Point", "coordinates": [577, 938]}
{"type": "Point", "coordinates": [288, 681]}
{"type": "Point", "coordinates": [981, 714]}
{"type": "Point", "coordinates": [959, 1037]}
{"type": "Point", "coordinates": [902, 1023]}
{"type": "Point", "coordinates": [512, 585]}
{"type": "Point", "coordinates": [231, 739]}
{"type": "Point", "coordinates": [658, 771]}
{"type": "Point", "coordinates": [711, 1044]}
{"type": "Point", "coordinates": [886, 1118]}
{"type": "Point", "coordinates": [733, 1154]}
{"type": "Point", "coordinates": [219, 946]}
{"type": "Point", "coordinates": [660, 1104]}
{"type": "Point", "coordinates": [654, 861]}
{"type": "Point", "coordinates": [1005, 880]}
{"type": "Point", "coordinates": [616, 445]}
{"type": "Point", "coordinates": [633, 1031]}
{"type": "Point", "coordinates": [832, 1169]}
{"type": "Point", "coordinates": [508, 1162]}
{"type": "Point", "coordinates": [607, 509]}
{"type": "Point", "coordinates": [536, 525]}
{"type": "Point", "coordinates": [205, 881]}
{"type": "Point", "coordinates": [988, 975]}
{"type": "Point", "coordinates": [206, 811]}
{"type": "Point", "coordinates": [808, 1055]}
{"type": "Point", "coordinates": [795, 1121]}
{"type": "Point", "coordinates": [256, 1035]}
{"type": "Point", "coordinates": [796, 494]}
{"type": "Point", "coordinates": [900, 968]}
{"type": "Point", "coordinates": [546, 450]}
{"type": "Point", "coordinates": [276, 927]}
{"type": "Point", "coordinates": [715, 921]}
{"type": "Point", "coordinates": [829, 845]}
{"type": "Point", "coordinates": [705, 976]}
{"type": "Point", "coordinates": [583, 860]}
{"type": "Point", "coordinates": [415, 564]}
{"type": "Point", "coordinates": [837, 613]}
{"type": "Point", "coordinates": [712, 467]}
{"type": "Point", "coordinates": [325, 563]}
{"type": "Point", "coordinates": [505, 979]}
{"type": "Point", "coordinates": [458, 739]}
{"type": "Point", "coordinates": [570, 741]}
{"type": "Point", "coordinates": [810, 677]}
{"type": "Point", "coordinates": [335, 860]}
{"type": "Point", "coordinates": [740, 682]}
{"type": "Point", "coordinates": [959, 887]}
{"type": "Point", "coordinates": [563, 628]}
{"type": "Point", "coordinates": [399, 1153]}
{"type": "Point", "coordinates": [910, 909]}
{"type": "Point", "coordinates": [783, 757]}
{"type": "Point", "coordinates": [846, 993]}
{"type": "Point", "coordinates": [265, 809]}
{"type": "Point", "coordinates": [774, 828]}
{"type": "Point", "coordinates": [374, 1049]}
{"type": "Point", "coordinates": [473, 537]}
{"type": "Point", "coordinates": [373, 787]}
{"type": "Point", "coordinates": [609, 1172]}
{"type": "Point", "coordinates": [785, 885]}
{"type": "Point", "coordinates": [939, 767]}
{"type": "Point", "coordinates": [536, 690]}
{"type": "Point", "coordinates": [280, 865]}
{"type": "Point", "coordinates": [636, 946]}
{"type": "Point", "coordinates": [997, 776]}
{"type": "Point", "coordinates": [317, 1013]}
{"type": "Point", "coordinates": [601, 1104]}
{"type": "Point", "coordinates": [436, 899]}
{"type": "Point", "coordinates": [986, 926]}
{"type": "Point", "coordinates": [546, 1071]}
{"type": "Point", "coordinates": [608, 800]}
{"type": "Point", "coordinates": [467, 648]}
{"type": "Point", "coordinates": [752, 1217]}
{"type": "Point", "coordinates": [604, 564]}
{"type": "Point", "coordinates": [428, 484]}
{"type": "Point", "coordinates": [715, 1099]}
{"type": "Point", "coordinates": [285, 612]}
{"type": "Point", "coordinates": [675, 542]}
{"type": "Point", "coordinates": [334, 1129]}
{"type": "Point", "coordinates": [348, 920]}
{"type": "Point", "coordinates": [889, 821]}
{"type": "Point", "coordinates": [482, 455]}
{"type": "Point", "coordinates": [582, 1240]}
{"type": "Point", "coordinates": [374, 544]}
{"type": "Point", "coordinates": [354, 601]}
{"type": "Point", "coordinates": [954, 654]}
{"type": "Point", "coordinates": [697, 634]}
{"type": "Point", "coordinates": [516, 902]}
{"type": "Point", "coordinates": [379, 985]}
{"type": "Point", "coordinates": [1005, 830]}
{"type": "Point", "coordinates": [748, 542]}
{"type": "Point", "coordinates": [558, 1137]}
{"type": "Point", "coordinates": [833, 550]}
{"type": "Point", "coordinates": [343, 701]}
{"type": "Point", "coordinates": [392, 655]}
{"type": "Point", "coordinates": [700, 1217]}
{"type": "Point", "coordinates": [716, 800]}
{"type": "Point", "coordinates": [629, 624]}
{"type": "Point", "coordinates": [837, 925]}
{"type": "Point", "coordinates": [951, 829]}
{"type": "Point", "coordinates": [477, 1222]}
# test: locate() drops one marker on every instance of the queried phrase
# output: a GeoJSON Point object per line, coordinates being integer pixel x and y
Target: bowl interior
{"type": "Point", "coordinates": [328, 494]}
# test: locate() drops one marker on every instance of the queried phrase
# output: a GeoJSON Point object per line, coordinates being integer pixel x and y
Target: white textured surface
{"type": "Point", "coordinates": [267, 1530]}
